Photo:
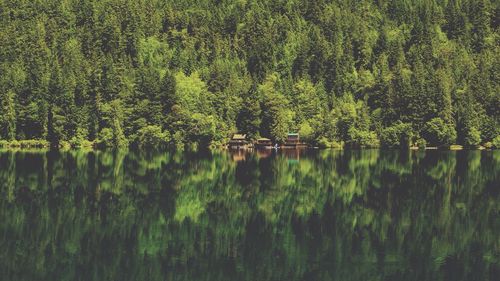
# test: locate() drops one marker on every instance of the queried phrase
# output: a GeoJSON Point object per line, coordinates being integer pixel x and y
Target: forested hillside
{"type": "Point", "coordinates": [363, 72]}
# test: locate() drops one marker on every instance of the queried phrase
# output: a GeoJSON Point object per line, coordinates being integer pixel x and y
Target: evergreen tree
{"type": "Point", "coordinates": [8, 117]}
{"type": "Point", "coordinates": [248, 120]}
{"type": "Point", "coordinates": [115, 71]}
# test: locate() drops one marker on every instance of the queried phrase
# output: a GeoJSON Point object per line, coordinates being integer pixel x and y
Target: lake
{"type": "Point", "coordinates": [286, 215]}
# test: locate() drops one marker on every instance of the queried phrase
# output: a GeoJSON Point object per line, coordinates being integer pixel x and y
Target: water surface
{"type": "Point", "coordinates": [310, 215]}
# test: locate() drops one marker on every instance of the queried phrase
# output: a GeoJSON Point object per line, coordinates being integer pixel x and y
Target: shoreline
{"type": "Point", "coordinates": [27, 145]}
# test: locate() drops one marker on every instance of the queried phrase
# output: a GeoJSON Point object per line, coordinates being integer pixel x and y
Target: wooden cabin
{"type": "Point", "coordinates": [293, 140]}
{"type": "Point", "coordinates": [263, 143]}
{"type": "Point", "coordinates": [238, 141]}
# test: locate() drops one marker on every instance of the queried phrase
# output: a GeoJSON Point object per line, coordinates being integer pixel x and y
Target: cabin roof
{"type": "Point", "coordinates": [239, 137]}
{"type": "Point", "coordinates": [263, 139]}
{"type": "Point", "coordinates": [293, 134]}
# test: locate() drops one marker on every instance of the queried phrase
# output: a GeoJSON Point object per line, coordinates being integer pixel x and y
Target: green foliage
{"type": "Point", "coordinates": [71, 71]}
{"type": "Point", "coordinates": [347, 114]}
{"type": "Point", "coordinates": [8, 117]}
{"type": "Point", "coordinates": [202, 129]}
{"type": "Point", "coordinates": [437, 132]}
{"type": "Point", "coordinates": [191, 93]}
{"type": "Point", "coordinates": [360, 138]}
{"type": "Point", "coordinates": [153, 137]}
{"type": "Point", "coordinates": [277, 117]}
{"type": "Point", "coordinates": [353, 123]}
{"type": "Point", "coordinates": [323, 142]}
{"type": "Point", "coordinates": [306, 101]}
{"type": "Point", "coordinates": [111, 138]}
{"type": "Point", "coordinates": [24, 144]}
{"type": "Point", "coordinates": [106, 138]}
{"type": "Point", "coordinates": [81, 139]}
{"type": "Point", "coordinates": [154, 53]}
{"type": "Point", "coordinates": [473, 137]}
{"type": "Point", "coordinates": [248, 119]}
{"type": "Point", "coordinates": [397, 135]}
{"type": "Point", "coordinates": [421, 143]}
{"type": "Point", "coordinates": [306, 132]}
{"type": "Point", "coordinates": [488, 145]}
{"type": "Point", "coordinates": [111, 134]}
{"type": "Point", "coordinates": [496, 142]}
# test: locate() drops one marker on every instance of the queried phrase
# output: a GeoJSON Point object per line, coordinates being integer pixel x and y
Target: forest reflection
{"type": "Point", "coordinates": [265, 215]}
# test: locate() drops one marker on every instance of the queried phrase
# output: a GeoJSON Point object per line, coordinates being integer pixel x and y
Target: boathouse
{"type": "Point", "coordinates": [263, 143]}
{"type": "Point", "coordinates": [238, 141]}
{"type": "Point", "coordinates": [292, 139]}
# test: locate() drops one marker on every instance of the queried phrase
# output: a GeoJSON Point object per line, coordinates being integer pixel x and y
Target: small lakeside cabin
{"type": "Point", "coordinates": [238, 141]}
{"type": "Point", "coordinates": [293, 141]}
{"type": "Point", "coordinates": [263, 143]}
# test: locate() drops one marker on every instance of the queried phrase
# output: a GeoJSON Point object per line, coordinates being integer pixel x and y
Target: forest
{"type": "Point", "coordinates": [359, 73]}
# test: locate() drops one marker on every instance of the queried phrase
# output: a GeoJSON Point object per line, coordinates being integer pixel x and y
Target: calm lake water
{"type": "Point", "coordinates": [313, 215]}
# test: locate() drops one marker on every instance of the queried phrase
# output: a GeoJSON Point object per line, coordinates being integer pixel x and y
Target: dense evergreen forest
{"type": "Point", "coordinates": [158, 72]}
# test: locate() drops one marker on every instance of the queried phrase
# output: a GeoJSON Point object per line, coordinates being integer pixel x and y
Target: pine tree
{"type": "Point", "coordinates": [248, 120]}
{"type": "Point", "coordinates": [8, 116]}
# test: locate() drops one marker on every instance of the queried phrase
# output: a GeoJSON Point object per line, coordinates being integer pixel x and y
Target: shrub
{"type": "Point", "coordinates": [473, 137]}
{"type": "Point", "coordinates": [488, 145]}
{"type": "Point", "coordinates": [361, 138]}
{"type": "Point", "coordinates": [325, 143]}
{"type": "Point", "coordinates": [64, 145]}
{"type": "Point", "coordinates": [437, 132]}
{"type": "Point", "coordinates": [489, 127]}
{"type": "Point", "coordinates": [80, 140]}
{"type": "Point", "coordinates": [337, 145]}
{"type": "Point", "coordinates": [496, 142]}
{"type": "Point", "coordinates": [4, 143]}
{"type": "Point", "coordinates": [106, 138]}
{"type": "Point", "coordinates": [119, 137]}
{"type": "Point", "coordinates": [421, 143]}
{"type": "Point", "coordinates": [397, 135]}
{"type": "Point", "coordinates": [202, 129]}
{"type": "Point", "coordinates": [79, 143]}
{"type": "Point", "coordinates": [306, 132]}
{"type": "Point", "coordinates": [14, 143]}
{"type": "Point", "coordinates": [152, 136]}
{"type": "Point", "coordinates": [25, 144]}
{"type": "Point", "coordinates": [33, 143]}
{"type": "Point", "coordinates": [178, 140]}
{"type": "Point", "coordinates": [109, 138]}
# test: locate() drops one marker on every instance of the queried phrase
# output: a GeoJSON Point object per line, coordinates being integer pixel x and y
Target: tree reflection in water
{"type": "Point", "coordinates": [264, 215]}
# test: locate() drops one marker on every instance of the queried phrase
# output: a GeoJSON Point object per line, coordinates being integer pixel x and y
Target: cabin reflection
{"type": "Point", "coordinates": [263, 153]}
{"type": "Point", "coordinates": [238, 155]}
{"type": "Point", "coordinates": [292, 155]}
